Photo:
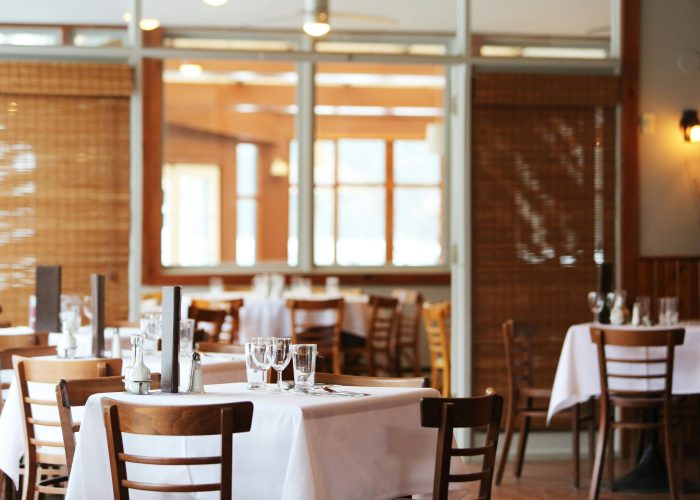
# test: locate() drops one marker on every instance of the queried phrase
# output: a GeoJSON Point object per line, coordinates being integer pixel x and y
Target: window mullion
{"type": "Point", "coordinates": [389, 206]}
{"type": "Point", "coordinates": [305, 128]}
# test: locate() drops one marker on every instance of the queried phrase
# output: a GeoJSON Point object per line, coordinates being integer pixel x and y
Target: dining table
{"type": "Point", "coordinates": [577, 379]}
{"type": "Point", "coordinates": [300, 446]}
{"type": "Point", "coordinates": [216, 368]}
{"type": "Point", "coordinates": [268, 316]}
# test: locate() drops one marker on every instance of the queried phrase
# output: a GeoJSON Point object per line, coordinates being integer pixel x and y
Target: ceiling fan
{"type": "Point", "coordinates": [315, 18]}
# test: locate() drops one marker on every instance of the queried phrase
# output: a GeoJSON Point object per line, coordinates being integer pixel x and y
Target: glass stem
{"type": "Point", "coordinates": [279, 380]}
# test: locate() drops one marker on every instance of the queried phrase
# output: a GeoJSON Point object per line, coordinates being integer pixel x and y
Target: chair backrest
{"type": "Point", "coordinates": [447, 414]}
{"type": "Point", "coordinates": [308, 329]}
{"type": "Point", "coordinates": [649, 367]}
{"type": "Point", "coordinates": [436, 321]}
{"type": "Point", "coordinates": [410, 304]}
{"type": "Point", "coordinates": [517, 341]}
{"type": "Point", "coordinates": [382, 321]}
{"type": "Point", "coordinates": [354, 380]}
{"type": "Point", "coordinates": [71, 394]}
{"type": "Point", "coordinates": [232, 308]}
{"type": "Point", "coordinates": [214, 317]}
{"type": "Point", "coordinates": [29, 351]}
{"type": "Point", "coordinates": [51, 371]}
{"type": "Point", "coordinates": [218, 347]}
{"type": "Point", "coordinates": [201, 420]}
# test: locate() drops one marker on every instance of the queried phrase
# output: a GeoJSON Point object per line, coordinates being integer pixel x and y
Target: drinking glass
{"type": "Point", "coordinates": [256, 376]}
{"type": "Point", "coordinates": [595, 304]}
{"type": "Point", "coordinates": [332, 285]}
{"type": "Point", "coordinates": [186, 336]}
{"type": "Point", "coordinates": [304, 362]}
{"type": "Point", "coordinates": [152, 330]}
{"type": "Point", "coordinates": [260, 355]}
{"type": "Point", "coordinates": [280, 354]}
{"type": "Point", "coordinates": [668, 311]}
{"type": "Point", "coordinates": [643, 307]}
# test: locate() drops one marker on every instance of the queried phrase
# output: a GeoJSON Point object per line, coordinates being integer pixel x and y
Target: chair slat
{"type": "Point", "coordinates": [171, 488]}
{"type": "Point", "coordinates": [140, 459]}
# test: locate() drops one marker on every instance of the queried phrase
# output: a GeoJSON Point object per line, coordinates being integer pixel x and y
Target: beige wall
{"type": "Point", "coordinates": [669, 205]}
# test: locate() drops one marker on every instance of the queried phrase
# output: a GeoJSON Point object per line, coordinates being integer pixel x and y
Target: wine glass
{"type": "Point", "coordinates": [595, 304]}
{"type": "Point", "coordinates": [260, 353]}
{"type": "Point", "coordinates": [280, 353]}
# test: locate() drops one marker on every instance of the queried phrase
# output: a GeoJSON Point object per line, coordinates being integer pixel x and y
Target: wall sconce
{"type": "Point", "coordinates": [279, 168]}
{"type": "Point", "coordinates": [690, 125]}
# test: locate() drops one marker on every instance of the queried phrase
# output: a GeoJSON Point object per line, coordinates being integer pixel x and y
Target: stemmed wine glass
{"type": "Point", "coordinates": [596, 301]}
{"type": "Point", "coordinates": [280, 353]}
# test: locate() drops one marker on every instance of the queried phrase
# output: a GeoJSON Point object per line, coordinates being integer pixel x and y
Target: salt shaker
{"type": "Point", "coordinates": [116, 343]}
{"type": "Point", "coordinates": [137, 377]}
{"type": "Point", "coordinates": [196, 385]}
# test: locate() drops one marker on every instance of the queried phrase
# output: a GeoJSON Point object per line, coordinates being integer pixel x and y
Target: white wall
{"type": "Point", "coordinates": [669, 204]}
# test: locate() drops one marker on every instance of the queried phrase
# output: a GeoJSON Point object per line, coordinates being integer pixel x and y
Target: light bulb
{"type": "Point", "coordinates": [316, 29]}
{"type": "Point", "coordinates": [149, 24]}
{"type": "Point", "coordinates": [215, 3]}
{"type": "Point", "coordinates": [694, 133]}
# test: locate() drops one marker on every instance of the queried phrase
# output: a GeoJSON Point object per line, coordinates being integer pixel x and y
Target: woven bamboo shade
{"type": "Point", "coordinates": [64, 179]}
{"type": "Point", "coordinates": [543, 178]}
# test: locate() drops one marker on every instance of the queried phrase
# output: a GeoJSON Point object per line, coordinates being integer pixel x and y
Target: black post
{"type": "Point", "coordinates": [48, 299]}
{"type": "Point", "coordinates": [97, 285]}
{"type": "Point", "coordinates": [605, 278]}
{"type": "Point", "coordinates": [170, 368]}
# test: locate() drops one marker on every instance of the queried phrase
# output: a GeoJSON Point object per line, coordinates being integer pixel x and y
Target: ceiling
{"type": "Point", "coordinates": [535, 17]}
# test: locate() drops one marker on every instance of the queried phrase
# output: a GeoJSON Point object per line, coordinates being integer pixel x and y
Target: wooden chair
{"type": "Point", "coordinates": [447, 414]}
{"type": "Point", "coordinates": [75, 393]}
{"type": "Point", "coordinates": [218, 347]}
{"type": "Point", "coordinates": [326, 336]}
{"type": "Point", "coordinates": [407, 345]}
{"type": "Point", "coordinates": [233, 310]}
{"type": "Point", "coordinates": [201, 420]}
{"type": "Point", "coordinates": [522, 396]}
{"type": "Point", "coordinates": [436, 321]}
{"type": "Point", "coordinates": [354, 380]}
{"type": "Point", "coordinates": [6, 353]}
{"type": "Point", "coordinates": [377, 352]}
{"type": "Point", "coordinates": [214, 318]}
{"type": "Point", "coordinates": [49, 371]}
{"type": "Point", "coordinates": [652, 368]}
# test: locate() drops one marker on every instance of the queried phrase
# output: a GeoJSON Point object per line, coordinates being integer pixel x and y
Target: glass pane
{"type": "Point", "coordinates": [417, 227]}
{"type": "Point", "coordinates": [324, 163]}
{"type": "Point", "coordinates": [293, 162]}
{"type": "Point", "coordinates": [361, 226]}
{"type": "Point", "coordinates": [293, 238]}
{"type": "Point", "coordinates": [239, 115]}
{"type": "Point", "coordinates": [246, 169]}
{"type": "Point", "coordinates": [246, 232]}
{"type": "Point", "coordinates": [30, 36]}
{"type": "Point", "coordinates": [324, 242]}
{"type": "Point", "coordinates": [415, 163]}
{"type": "Point", "coordinates": [100, 37]}
{"type": "Point", "coordinates": [361, 161]}
{"type": "Point", "coordinates": [191, 215]}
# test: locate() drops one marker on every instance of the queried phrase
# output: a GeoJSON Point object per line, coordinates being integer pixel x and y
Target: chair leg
{"type": "Point", "coordinates": [575, 420]}
{"type": "Point", "coordinates": [670, 458]}
{"type": "Point", "coordinates": [28, 492]}
{"type": "Point", "coordinates": [510, 424]}
{"type": "Point", "coordinates": [417, 368]}
{"type": "Point", "coordinates": [591, 434]}
{"type": "Point", "coordinates": [611, 459]}
{"type": "Point", "coordinates": [524, 427]}
{"type": "Point", "coordinates": [594, 490]}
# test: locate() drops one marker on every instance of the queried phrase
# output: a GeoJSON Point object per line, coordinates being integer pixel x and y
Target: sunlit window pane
{"type": "Point", "coordinates": [324, 163]}
{"type": "Point", "coordinates": [324, 242]}
{"type": "Point", "coordinates": [414, 163]}
{"type": "Point", "coordinates": [191, 215]}
{"type": "Point", "coordinates": [417, 227]}
{"type": "Point", "coordinates": [361, 226]}
{"type": "Point", "coordinates": [246, 169]}
{"type": "Point", "coordinates": [246, 220]}
{"type": "Point", "coordinates": [361, 161]}
{"type": "Point", "coordinates": [293, 237]}
{"type": "Point", "coordinates": [293, 162]}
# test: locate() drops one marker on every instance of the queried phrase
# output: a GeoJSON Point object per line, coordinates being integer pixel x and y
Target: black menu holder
{"type": "Point", "coordinates": [605, 277]}
{"type": "Point", "coordinates": [97, 286]}
{"type": "Point", "coordinates": [48, 299]}
{"type": "Point", "coordinates": [170, 368]}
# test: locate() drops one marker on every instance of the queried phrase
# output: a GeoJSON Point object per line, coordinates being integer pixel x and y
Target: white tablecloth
{"type": "Point", "coordinates": [216, 369]}
{"type": "Point", "coordinates": [83, 337]}
{"type": "Point", "coordinates": [300, 447]}
{"type": "Point", "coordinates": [578, 378]}
{"type": "Point", "coordinates": [269, 317]}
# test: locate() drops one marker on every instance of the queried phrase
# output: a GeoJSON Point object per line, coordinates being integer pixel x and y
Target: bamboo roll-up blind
{"type": "Point", "coordinates": [64, 179]}
{"type": "Point", "coordinates": [543, 179]}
